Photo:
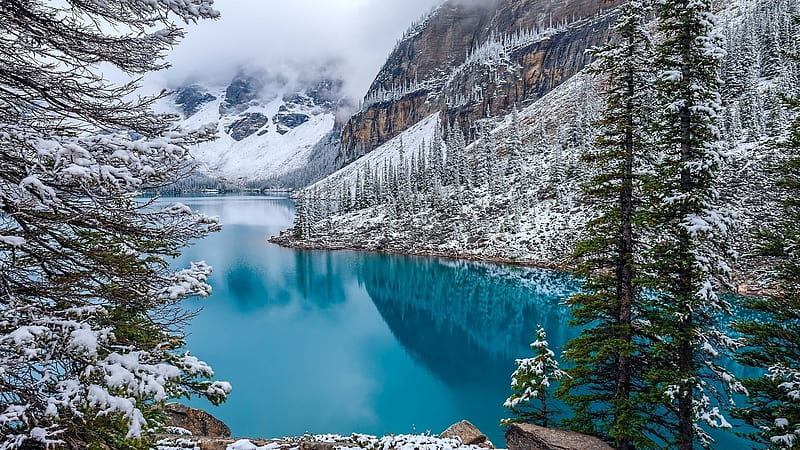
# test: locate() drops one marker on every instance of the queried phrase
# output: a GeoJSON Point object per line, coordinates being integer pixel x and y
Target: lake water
{"type": "Point", "coordinates": [342, 342]}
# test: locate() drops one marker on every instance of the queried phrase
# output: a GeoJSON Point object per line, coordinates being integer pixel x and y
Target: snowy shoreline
{"type": "Point", "coordinates": [743, 284]}
{"type": "Point", "coordinates": [287, 241]}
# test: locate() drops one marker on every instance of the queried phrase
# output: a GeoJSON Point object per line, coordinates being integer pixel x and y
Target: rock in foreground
{"type": "Point", "coordinates": [523, 436]}
{"type": "Point", "coordinates": [468, 433]}
{"type": "Point", "coordinates": [316, 442]}
{"type": "Point", "coordinates": [199, 423]}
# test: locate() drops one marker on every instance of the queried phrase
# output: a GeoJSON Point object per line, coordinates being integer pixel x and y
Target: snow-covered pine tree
{"type": "Point", "coordinates": [457, 164]}
{"type": "Point", "coordinates": [772, 340]}
{"type": "Point", "coordinates": [516, 164]}
{"type": "Point", "coordinates": [437, 157]}
{"type": "Point", "coordinates": [360, 202]}
{"type": "Point", "coordinates": [300, 226]}
{"type": "Point", "coordinates": [687, 260]}
{"type": "Point", "coordinates": [90, 319]}
{"type": "Point", "coordinates": [607, 386]}
{"type": "Point", "coordinates": [531, 384]}
{"type": "Point", "coordinates": [483, 157]}
{"type": "Point", "coordinates": [370, 186]}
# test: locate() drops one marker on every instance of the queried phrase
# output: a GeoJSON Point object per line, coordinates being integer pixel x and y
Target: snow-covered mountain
{"type": "Point", "coordinates": [514, 193]}
{"type": "Point", "coordinates": [272, 131]}
{"type": "Point", "coordinates": [473, 59]}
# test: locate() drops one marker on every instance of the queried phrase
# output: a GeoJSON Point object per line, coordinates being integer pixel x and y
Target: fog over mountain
{"type": "Point", "coordinates": [349, 37]}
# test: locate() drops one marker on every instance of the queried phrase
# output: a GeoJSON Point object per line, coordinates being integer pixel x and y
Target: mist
{"type": "Point", "coordinates": [298, 39]}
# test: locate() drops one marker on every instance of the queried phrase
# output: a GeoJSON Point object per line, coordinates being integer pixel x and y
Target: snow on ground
{"type": "Point", "coordinates": [537, 219]}
{"type": "Point", "coordinates": [354, 442]}
{"type": "Point", "coordinates": [410, 140]}
{"type": "Point", "coordinates": [534, 220]}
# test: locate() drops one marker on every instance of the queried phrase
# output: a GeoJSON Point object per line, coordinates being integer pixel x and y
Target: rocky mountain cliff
{"type": "Point", "coordinates": [513, 194]}
{"type": "Point", "coordinates": [470, 59]}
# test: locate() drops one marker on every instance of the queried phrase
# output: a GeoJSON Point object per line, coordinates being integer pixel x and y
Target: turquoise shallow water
{"type": "Point", "coordinates": [337, 342]}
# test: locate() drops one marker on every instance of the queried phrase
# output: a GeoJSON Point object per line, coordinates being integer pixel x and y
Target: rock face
{"type": "Point", "coordinates": [199, 423]}
{"type": "Point", "coordinates": [248, 124]}
{"type": "Point", "coordinates": [470, 59]}
{"type": "Point", "coordinates": [467, 433]}
{"type": "Point", "coordinates": [326, 93]}
{"type": "Point", "coordinates": [287, 121]}
{"type": "Point", "coordinates": [242, 90]}
{"type": "Point", "coordinates": [272, 127]}
{"type": "Point", "coordinates": [524, 436]}
{"type": "Point", "coordinates": [192, 98]}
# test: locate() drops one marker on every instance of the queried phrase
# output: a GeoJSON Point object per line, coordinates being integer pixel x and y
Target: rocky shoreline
{"type": "Point", "coordinates": [193, 429]}
{"type": "Point", "coordinates": [286, 240]}
{"type": "Point", "coordinates": [743, 285]}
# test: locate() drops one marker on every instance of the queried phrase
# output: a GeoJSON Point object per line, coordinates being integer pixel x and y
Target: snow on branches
{"type": "Point", "coordinates": [531, 383]}
{"type": "Point", "coordinates": [91, 340]}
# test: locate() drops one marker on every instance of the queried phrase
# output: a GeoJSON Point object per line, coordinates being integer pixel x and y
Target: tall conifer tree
{"type": "Point", "coordinates": [606, 383]}
{"type": "Point", "coordinates": [688, 256]}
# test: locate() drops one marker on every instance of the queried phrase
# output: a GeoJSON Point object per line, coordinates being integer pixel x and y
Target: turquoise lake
{"type": "Point", "coordinates": [342, 342]}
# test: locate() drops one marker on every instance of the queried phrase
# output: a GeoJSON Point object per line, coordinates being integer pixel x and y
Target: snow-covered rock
{"type": "Point", "coordinates": [320, 442]}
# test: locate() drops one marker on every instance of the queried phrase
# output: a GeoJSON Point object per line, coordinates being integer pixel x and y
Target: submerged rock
{"type": "Point", "coordinates": [468, 433]}
{"type": "Point", "coordinates": [523, 436]}
{"type": "Point", "coordinates": [199, 423]}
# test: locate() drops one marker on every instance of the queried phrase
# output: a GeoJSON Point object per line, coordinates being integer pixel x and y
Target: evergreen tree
{"type": "Point", "coordinates": [607, 387]}
{"type": "Point", "coordinates": [370, 186]}
{"type": "Point", "coordinates": [483, 160]}
{"type": "Point", "coordinates": [531, 384]}
{"type": "Point", "coordinates": [457, 162]}
{"type": "Point", "coordinates": [300, 226]}
{"type": "Point", "coordinates": [516, 166]}
{"type": "Point", "coordinates": [773, 340]}
{"type": "Point", "coordinates": [437, 157]}
{"type": "Point", "coordinates": [90, 318]}
{"type": "Point", "coordinates": [687, 260]}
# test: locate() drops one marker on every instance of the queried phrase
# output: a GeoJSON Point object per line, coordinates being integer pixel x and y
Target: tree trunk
{"type": "Point", "coordinates": [625, 261]}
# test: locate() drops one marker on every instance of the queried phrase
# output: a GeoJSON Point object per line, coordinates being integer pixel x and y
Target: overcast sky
{"type": "Point", "coordinates": [270, 33]}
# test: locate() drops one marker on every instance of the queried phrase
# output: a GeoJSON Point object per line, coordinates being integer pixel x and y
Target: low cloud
{"type": "Point", "coordinates": [352, 38]}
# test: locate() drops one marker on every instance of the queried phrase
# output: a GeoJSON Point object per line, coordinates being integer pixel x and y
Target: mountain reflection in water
{"type": "Point", "coordinates": [342, 342]}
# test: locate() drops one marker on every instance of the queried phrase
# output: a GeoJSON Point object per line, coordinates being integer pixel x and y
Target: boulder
{"type": "Point", "coordinates": [523, 436]}
{"type": "Point", "coordinates": [467, 433]}
{"type": "Point", "coordinates": [199, 423]}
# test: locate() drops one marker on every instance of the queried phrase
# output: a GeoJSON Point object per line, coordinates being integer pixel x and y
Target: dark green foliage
{"type": "Point", "coordinates": [531, 384]}
{"type": "Point", "coordinates": [773, 339]}
{"type": "Point", "coordinates": [687, 261]}
{"type": "Point", "coordinates": [606, 387]}
{"type": "Point", "coordinates": [91, 323]}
